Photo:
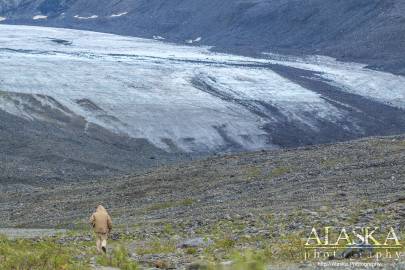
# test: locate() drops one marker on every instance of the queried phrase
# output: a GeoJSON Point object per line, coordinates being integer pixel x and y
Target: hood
{"type": "Point", "coordinates": [101, 208]}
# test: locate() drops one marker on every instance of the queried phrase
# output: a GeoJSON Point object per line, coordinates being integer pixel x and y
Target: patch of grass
{"type": "Point", "coordinates": [42, 255]}
{"type": "Point", "coordinates": [191, 251]}
{"type": "Point", "coordinates": [156, 247]}
{"type": "Point", "coordinates": [252, 173]}
{"type": "Point", "coordinates": [225, 243]}
{"type": "Point", "coordinates": [278, 246]}
{"type": "Point", "coordinates": [168, 229]}
{"type": "Point", "coordinates": [118, 258]}
{"type": "Point", "coordinates": [279, 171]}
{"type": "Point", "coordinates": [250, 260]}
{"type": "Point", "coordinates": [288, 248]}
{"type": "Point", "coordinates": [186, 202]}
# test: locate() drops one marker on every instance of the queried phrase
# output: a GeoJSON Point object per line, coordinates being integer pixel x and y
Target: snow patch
{"type": "Point", "coordinates": [191, 41]}
{"type": "Point", "coordinates": [40, 17]}
{"type": "Point", "coordinates": [2, 19]}
{"type": "Point", "coordinates": [86, 18]}
{"type": "Point", "coordinates": [158, 38]}
{"type": "Point", "coordinates": [119, 14]}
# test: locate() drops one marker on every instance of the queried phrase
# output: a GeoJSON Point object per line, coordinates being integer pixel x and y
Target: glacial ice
{"type": "Point", "coordinates": [147, 88]}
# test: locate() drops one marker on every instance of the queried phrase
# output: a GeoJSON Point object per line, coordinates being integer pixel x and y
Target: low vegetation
{"type": "Point", "coordinates": [41, 255]}
{"type": "Point", "coordinates": [118, 258]}
{"type": "Point", "coordinates": [156, 247]}
{"type": "Point", "coordinates": [231, 244]}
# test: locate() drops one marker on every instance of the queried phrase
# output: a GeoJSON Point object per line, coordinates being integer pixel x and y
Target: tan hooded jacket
{"type": "Point", "coordinates": [101, 220]}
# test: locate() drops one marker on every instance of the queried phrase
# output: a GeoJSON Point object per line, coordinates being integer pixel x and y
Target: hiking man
{"type": "Point", "coordinates": [102, 225]}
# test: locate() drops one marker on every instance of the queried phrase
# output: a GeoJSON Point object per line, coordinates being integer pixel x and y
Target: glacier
{"type": "Point", "coordinates": [187, 96]}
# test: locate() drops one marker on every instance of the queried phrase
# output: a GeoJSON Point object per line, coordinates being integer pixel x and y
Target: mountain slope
{"type": "Point", "coordinates": [369, 31]}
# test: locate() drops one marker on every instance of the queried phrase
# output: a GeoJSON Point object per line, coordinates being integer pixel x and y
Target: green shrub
{"type": "Point", "coordinates": [225, 243]}
{"type": "Point", "coordinates": [279, 171]}
{"type": "Point", "coordinates": [249, 260]}
{"type": "Point", "coordinates": [191, 251]}
{"type": "Point", "coordinates": [168, 229]}
{"type": "Point", "coordinates": [118, 258]}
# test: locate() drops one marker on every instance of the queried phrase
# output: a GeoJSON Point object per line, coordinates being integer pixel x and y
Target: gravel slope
{"type": "Point", "coordinates": [344, 176]}
{"type": "Point", "coordinates": [249, 201]}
